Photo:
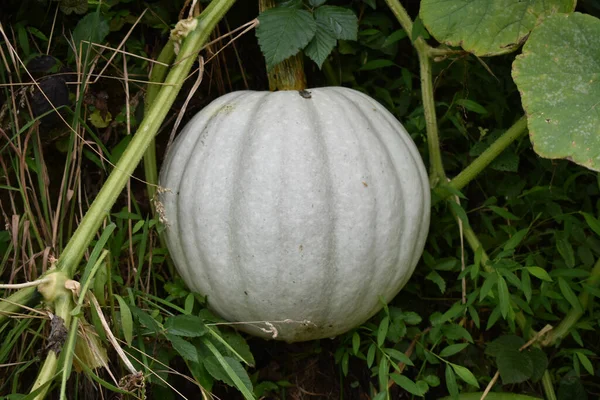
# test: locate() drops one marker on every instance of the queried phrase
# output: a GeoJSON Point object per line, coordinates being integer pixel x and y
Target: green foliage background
{"type": "Point", "coordinates": [537, 219]}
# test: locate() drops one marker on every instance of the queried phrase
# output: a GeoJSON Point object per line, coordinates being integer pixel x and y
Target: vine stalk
{"type": "Point", "coordinates": [437, 174]}
{"type": "Point", "coordinates": [157, 77]}
{"type": "Point", "coordinates": [516, 131]}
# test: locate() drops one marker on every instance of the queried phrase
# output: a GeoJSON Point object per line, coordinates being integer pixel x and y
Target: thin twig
{"type": "Point", "coordinates": [120, 45]}
{"type": "Point", "coordinates": [52, 29]}
{"type": "Point", "coordinates": [23, 285]}
{"type": "Point", "coordinates": [490, 385]}
{"type": "Point", "coordinates": [110, 336]}
{"type": "Point", "coordinates": [187, 100]}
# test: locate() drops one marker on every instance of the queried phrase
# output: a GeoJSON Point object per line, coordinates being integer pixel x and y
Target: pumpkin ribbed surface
{"type": "Point", "coordinates": [303, 212]}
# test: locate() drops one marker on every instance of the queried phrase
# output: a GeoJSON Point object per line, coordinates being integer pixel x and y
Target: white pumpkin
{"type": "Point", "coordinates": [295, 213]}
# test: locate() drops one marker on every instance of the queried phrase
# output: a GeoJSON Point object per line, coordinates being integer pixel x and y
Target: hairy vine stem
{"type": "Point", "coordinates": [157, 77]}
{"type": "Point", "coordinates": [516, 131]}
{"type": "Point", "coordinates": [424, 51]}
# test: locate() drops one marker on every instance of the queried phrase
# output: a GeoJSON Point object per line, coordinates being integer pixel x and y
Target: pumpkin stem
{"type": "Point", "coordinates": [288, 74]}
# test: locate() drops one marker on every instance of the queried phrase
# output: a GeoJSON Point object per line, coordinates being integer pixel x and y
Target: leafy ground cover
{"type": "Point", "coordinates": [504, 298]}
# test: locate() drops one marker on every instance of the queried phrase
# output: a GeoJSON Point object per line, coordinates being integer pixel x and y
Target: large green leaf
{"type": "Point", "coordinates": [93, 28]}
{"type": "Point", "coordinates": [514, 366]}
{"type": "Point", "coordinates": [558, 77]}
{"type": "Point", "coordinates": [342, 22]}
{"type": "Point", "coordinates": [321, 45]}
{"type": "Point", "coordinates": [186, 326]}
{"type": "Point", "coordinates": [282, 32]}
{"type": "Point", "coordinates": [487, 27]}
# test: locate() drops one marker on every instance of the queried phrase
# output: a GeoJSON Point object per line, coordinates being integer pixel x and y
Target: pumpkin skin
{"type": "Point", "coordinates": [300, 211]}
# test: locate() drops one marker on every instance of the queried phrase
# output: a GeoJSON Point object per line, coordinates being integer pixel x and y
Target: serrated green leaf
{"type": "Point", "coordinates": [217, 370]}
{"type": "Point", "coordinates": [514, 366]}
{"type": "Point", "coordinates": [146, 320]}
{"type": "Point", "coordinates": [594, 291]}
{"type": "Point", "coordinates": [37, 33]}
{"type": "Point", "coordinates": [569, 273]}
{"type": "Point", "coordinates": [183, 347]}
{"type": "Point", "coordinates": [472, 105]}
{"type": "Point", "coordinates": [382, 330]}
{"type": "Point", "coordinates": [186, 326]}
{"type": "Point", "coordinates": [465, 375]}
{"type": "Point", "coordinates": [397, 330]}
{"type": "Point", "coordinates": [559, 90]}
{"type": "Point", "coordinates": [345, 363]}
{"type": "Point", "coordinates": [487, 286]}
{"type": "Point", "coordinates": [283, 32]}
{"type": "Point", "coordinates": [398, 356]}
{"type": "Point", "coordinates": [383, 374]}
{"type": "Point", "coordinates": [342, 22]}
{"type": "Point", "coordinates": [371, 355]}
{"type": "Point", "coordinates": [233, 369]}
{"type": "Point", "coordinates": [454, 311]}
{"type": "Point", "coordinates": [100, 119]}
{"type": "Point", "coordinates": [516, 239]}
{"type": "Point", "coordinates": [436, 278]}
{"type": "Point", "coordinates": [504, 213]}
{"type": "Point", "coordinates": [456, 332]}
{"type": "Point", "coordinates": [316, 3]}
{"type": "Point", "coordinates": [576, 337]}
{"type": "Point", "coordinates": [487, 27]}
{"type": "Point", "coordinates": [592, 222]}
{"type": "Point", "coordinates": [565, 249]}
{"type": "Point", "coordinates": [539, 273]}
{"type": "Point", "coordinates": [393, 38]}
{"type": "Point", "coordinates": [540, 362]}
{"type": "Point", "coordinates": [73, 6]}
{"type": "Point", "coordinates": [451, 383]}
{"type": "Point", "coordinates": [126, 319]}
{"type": "Point", "coordinates": [587, 364]}
{"type": "Point", "coordinates": [237, 346]}
{"type": "Point", "coordinates": [371, 3]}
{"type": "Point", "coordinates": [381, 396]}
{"type": "Point", "coordinates": [91, 28]}
{"type": "Point", "coordinates": [569, 294]}
{"type": "Point", "coordinates": [407, 384]}
{"type": "Point", "coordinates": [189, 303]}
{"type": "Point", "coordinates": [432, 380]}
{"type": "Point", "coordinates": [526, 285]}
{"type": "Point", "coordinates": [504, 343]}
{"type": "Point", "coordinates": [377, 64]}
{"type": "Point", "coordinates": [411, 318]}
{"type": "Point", "coordinates": [506, 161]}
{"type": "Point", "coordinates": [355, 343]}
{"type": "Point", "coordinates": [460, 212]}
{"type": "Point", "coordinates": [503, 297]}
{"type": "Point", "coordinates": [452, 349]}
{"type": "Point", "coordinates": [478, 255]}
{"type": "Point", "coordinates": [418, 30]}
{"type": "Point", "coordinates": [511, 278]}
{"type": "Point", "coordinates": [493, 318]}
{"type": "Point", "coordinates": [474, 316]}
{"type": "Point", "coordinates": [290, 3]}
{"type": "Point", "coordinates": [321, 45]}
